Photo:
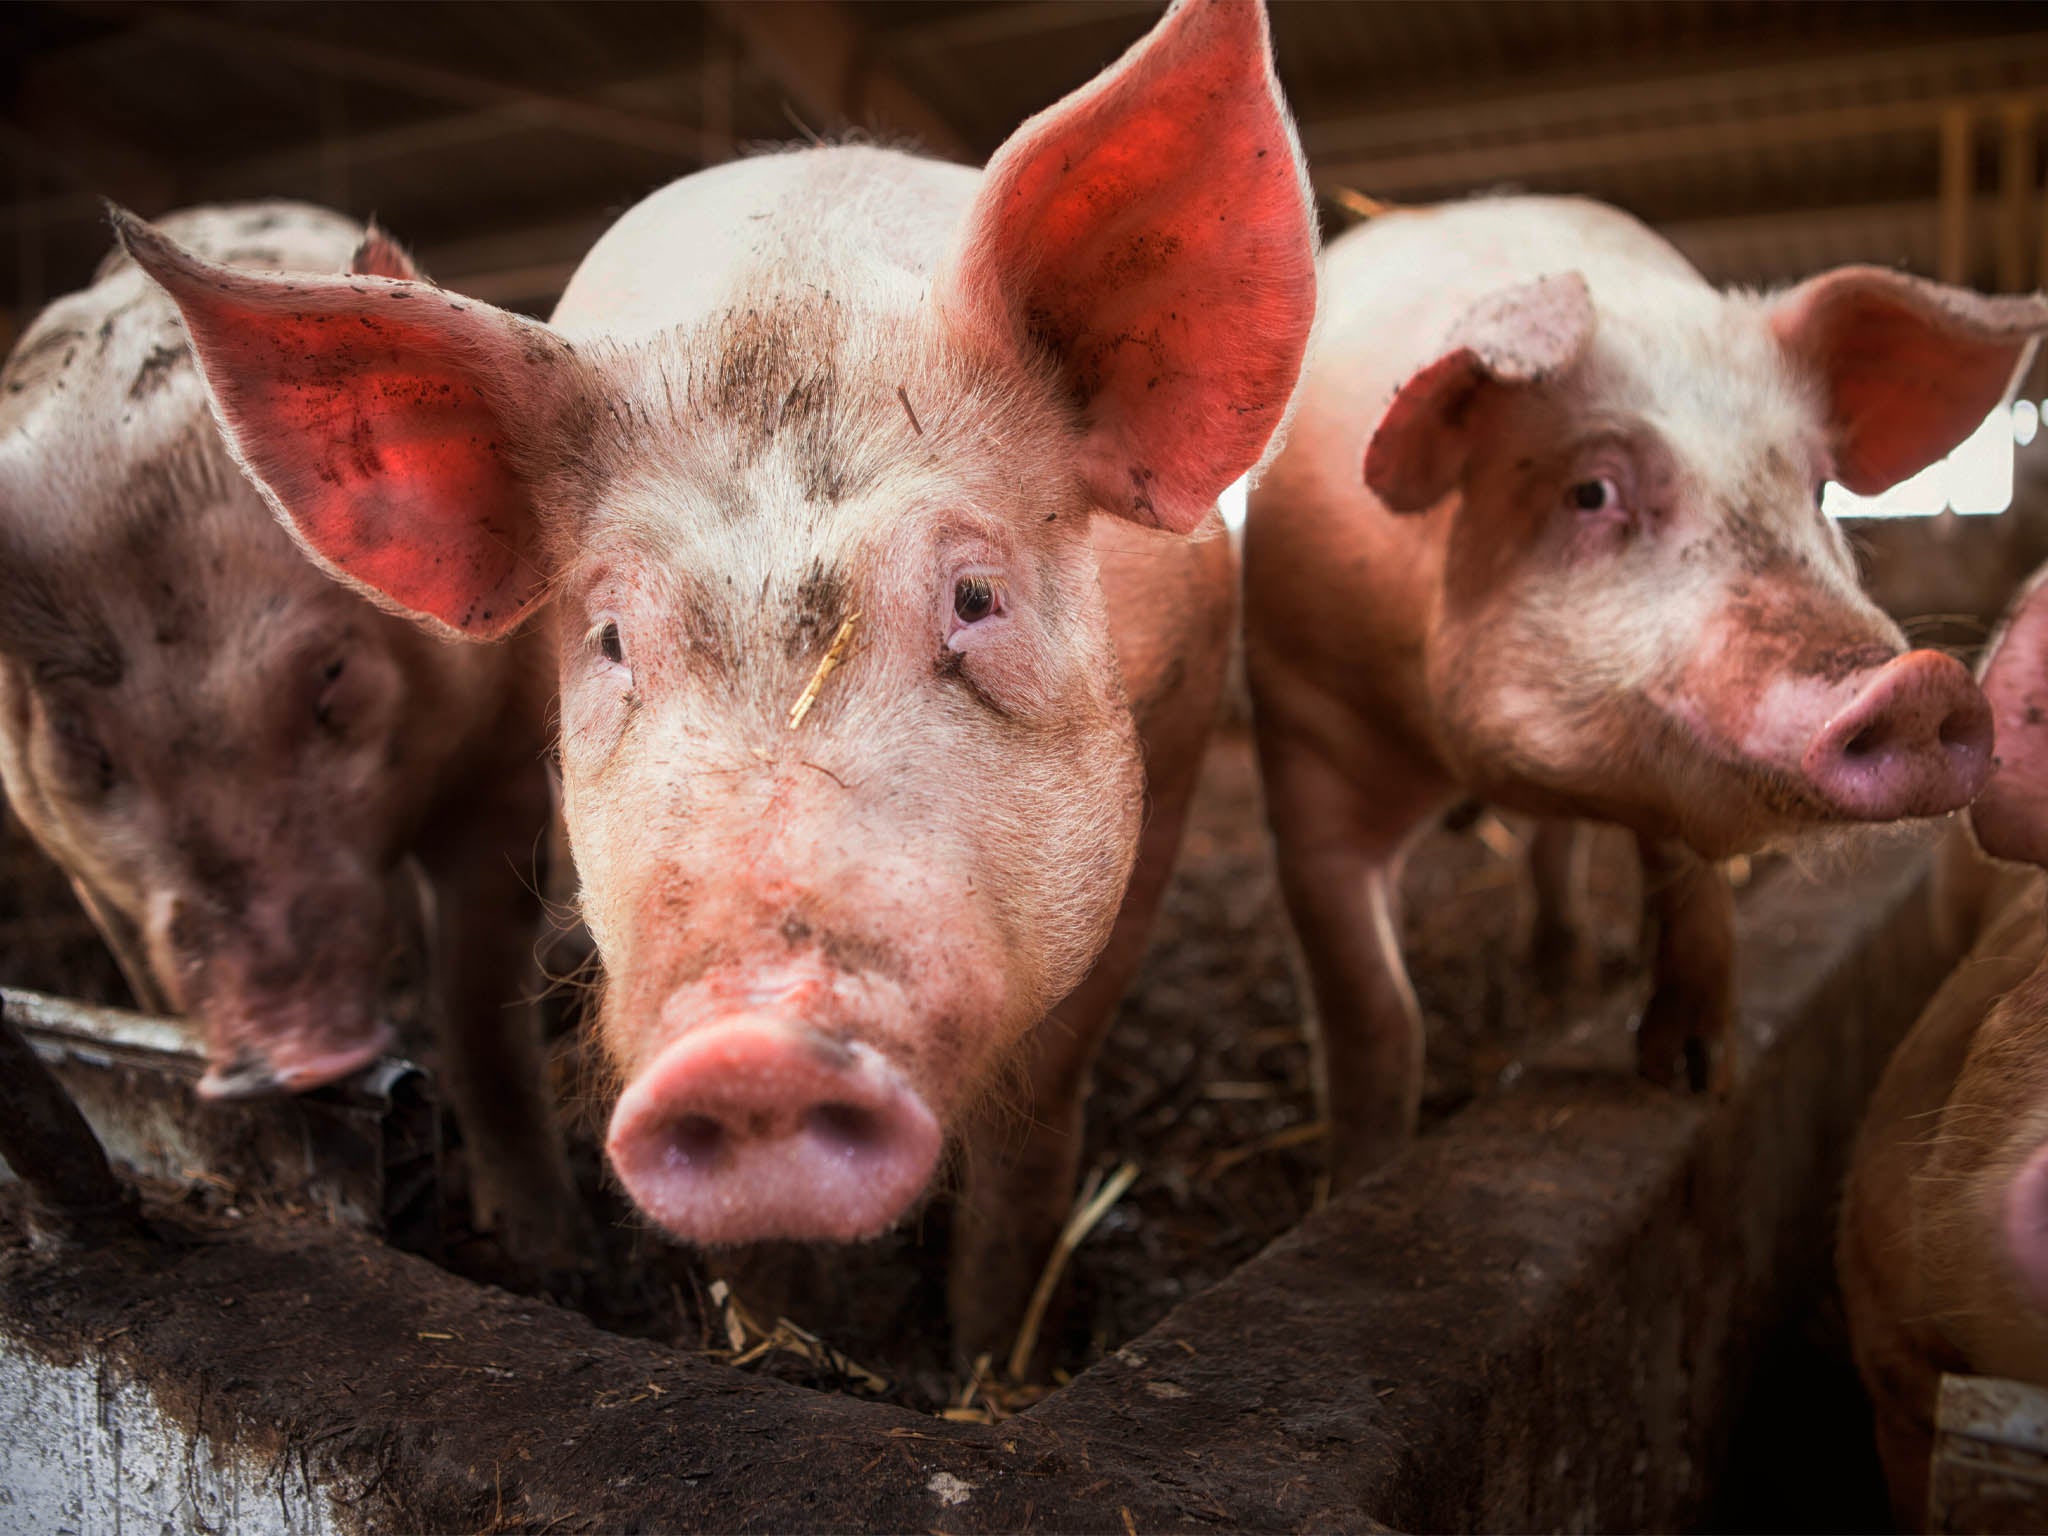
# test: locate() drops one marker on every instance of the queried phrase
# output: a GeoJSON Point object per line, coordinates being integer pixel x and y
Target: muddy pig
{"type": "Point", "coordinates": [1547, 532]}
{"type": "Point", "coordinates": [241, 764]}
{"type": "Point", "coordinates": [1943, 1255]}
{"type": "Point", "coordinates": [871, 503]}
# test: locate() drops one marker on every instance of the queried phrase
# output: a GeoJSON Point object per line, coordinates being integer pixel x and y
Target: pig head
{"type": "Point", "coordinates": [804, 479]}
{"type": "Point", "coordinates": [1644, 614]}
{"type": "Point", "coordinates": [194, 722]}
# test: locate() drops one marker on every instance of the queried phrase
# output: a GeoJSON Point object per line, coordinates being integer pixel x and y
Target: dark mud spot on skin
{"type": "Point", "coordinates": [817, 611]}
{"type": "Point", "coordinates": [156, 370]}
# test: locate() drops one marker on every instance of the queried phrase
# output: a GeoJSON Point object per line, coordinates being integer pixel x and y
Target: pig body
{"type": "Point", "coordinates": [1943, 1251]}
{"type": "Point", "coordinates": [857, 491]}
{"type": "Point", "coordinates": [1546, 531]}
{"type": "Point", "coordinates": [243, 766]}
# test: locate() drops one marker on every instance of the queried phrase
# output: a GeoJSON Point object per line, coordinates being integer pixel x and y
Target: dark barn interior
{"type": "Point", "coordinates": [499, 140]}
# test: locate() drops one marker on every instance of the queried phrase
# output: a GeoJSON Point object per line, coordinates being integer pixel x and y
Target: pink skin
{"type": "Point", "coordinates": [947, 429]}
{"type": "Point", "coordinates": [1545, 532]}
{"type": "Point", "coordinates": [243, 767]}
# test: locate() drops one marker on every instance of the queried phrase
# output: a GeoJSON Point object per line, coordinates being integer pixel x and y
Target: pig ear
{"type": "Point", "coordinates": [2011, 817]}
{"type": "Point", "coordinates": [381, 256]}
{"type": "Point", "coordinates": [378, 418]}
{"type": "Point", "coordinates": [1153, 235]}
{"type": "Point", "coordinates": [1519, 335]}
{"type": "Point", "coordinates": [1909, 367]}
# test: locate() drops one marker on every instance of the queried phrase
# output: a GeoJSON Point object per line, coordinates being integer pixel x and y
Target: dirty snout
{"type": "Point", "coordinates": [289, 993]}
{"type": "Point", "coordinates": [760, 1126]}
{"type": "Point", "coordinates": [1914, 739]}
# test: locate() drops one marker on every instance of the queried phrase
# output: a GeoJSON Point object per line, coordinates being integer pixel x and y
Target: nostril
{"type": "Point", "coordinates": [1960, 730]}
{"type": "Point", "coordinates": [693, 1141]}
{"type": "Point", "coordinates": [846, 1130]}
{"type": "Point", "coordinates": [1865, 742]}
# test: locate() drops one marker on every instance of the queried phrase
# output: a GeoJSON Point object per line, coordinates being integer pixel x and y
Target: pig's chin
{"type": "Point", "coordinates": [259, 1051]}
{"type": "Point", "coordinates": [772, 1112]}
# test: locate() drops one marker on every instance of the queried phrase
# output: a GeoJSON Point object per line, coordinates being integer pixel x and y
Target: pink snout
{"type": "Point", "coordinates": [748, 1130]}
{"type": "Point", "coordinates": [290, 1064]}
{"type": "Point", "coordinates": [1916, 741]}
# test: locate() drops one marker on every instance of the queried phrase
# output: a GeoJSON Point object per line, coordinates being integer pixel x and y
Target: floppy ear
{"type": "Point", "coordinates": [1153, 235]}
{"type": "Point", "coordinates": [1908, 367]}
{"type": "Point", "coordinates": [2010, 818]}
{"type": "Point", "coordinates": [384, 421]}
{"type": "Point", "coordinates": [1515, 336]}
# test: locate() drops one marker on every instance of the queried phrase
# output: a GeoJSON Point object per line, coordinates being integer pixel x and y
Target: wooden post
{"type": "Point", "coordinates": [2016, 196]}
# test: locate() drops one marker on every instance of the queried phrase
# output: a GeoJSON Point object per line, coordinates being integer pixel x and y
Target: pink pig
{"type": "Point", "coordinates": [1943, 1255]}
{"type": "Point", "coordinates": [1547, 531]}
{"type": "Point", "coordinates": [244, 767]}
{"type": "Point", "coordinates": [857, 489]}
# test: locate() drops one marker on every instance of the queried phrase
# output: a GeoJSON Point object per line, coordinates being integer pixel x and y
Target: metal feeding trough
{"type": "Point", "coordinates": [365, 1153]}
{"type": "Point", "coordinates": [1550, 1314]}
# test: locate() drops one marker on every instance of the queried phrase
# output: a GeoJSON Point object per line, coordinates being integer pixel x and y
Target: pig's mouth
{"type": "Point", "coordinates": [249, 1062]}
{"type": "Point", "coordinates": [756, 1128]}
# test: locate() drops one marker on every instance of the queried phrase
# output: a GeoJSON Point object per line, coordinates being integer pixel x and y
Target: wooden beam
{"type": "Point", "coordinates": [1958, 175]}
{"type": "Point", "coordinates": [821, 56]}
{"type": "Point", "coordinates": [635, 130]}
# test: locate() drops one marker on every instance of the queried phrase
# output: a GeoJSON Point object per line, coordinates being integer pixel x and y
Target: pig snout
{"type": "Point", "coordinates": [750, 1129]}
{"type": "Point", "coordinates": [1914, 741]}
{"type": "Point", "coordinates": [254, 1060]}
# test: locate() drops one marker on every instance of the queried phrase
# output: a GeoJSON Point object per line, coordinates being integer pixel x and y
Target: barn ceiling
{"type": "Point", "coordinates": [499, 138]}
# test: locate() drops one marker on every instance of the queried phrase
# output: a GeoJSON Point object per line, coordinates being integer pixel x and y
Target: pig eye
{"type": "Point", "coordinates": [605, 635]}
{"type": "Point", "coordinates": [85, 760]}
{"type": "Point", "coordinates": [975, 598]}
{"type": "Point", "coordinates": [323, 702]}
{"type": "Point", "coordinates": [1601, 495]}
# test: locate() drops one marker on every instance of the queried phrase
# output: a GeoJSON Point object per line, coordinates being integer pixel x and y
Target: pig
{"type": "Point", "coordinates": [243, 767]}
{"type": "Point", "coordinates": [869, 503]}
{"type": "Point", "coordinates": [1943, 1249]}
{"type": "Point", "coordinates": [1547, 533]}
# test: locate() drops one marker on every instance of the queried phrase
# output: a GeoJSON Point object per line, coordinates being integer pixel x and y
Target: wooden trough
{"type": "Point", "coordinates": [1547, 1316]}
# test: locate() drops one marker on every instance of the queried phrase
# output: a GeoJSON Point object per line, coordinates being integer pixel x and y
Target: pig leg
{"type": "Point", "coordinates": [1021, 1172]}
{"type": "Point", "coordinates": [1685, 1039]}
{"type": "Point", "coordinates": [1341, 834]}
{"type": "Point", "coordinates": [1561, 945]}
{"type": "Point", "coordinates": [487, 924]}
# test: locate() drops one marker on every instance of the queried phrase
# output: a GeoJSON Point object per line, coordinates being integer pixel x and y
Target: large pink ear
{"type": "Point", "coordinates": [379, 418]}
{"type": "Point", "coordinates": [1909, 367]}
{"type": "Point", "coordinates": [1519, 335]}
{"type": "Point", "coordinates": [1153, 234]}
{"type": "Point", "coordinates": [2011, 817]}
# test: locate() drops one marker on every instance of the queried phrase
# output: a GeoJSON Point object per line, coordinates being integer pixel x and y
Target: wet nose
{"type": "Point", "coordinates": [755, 1129]}
{"type": "Point", "coordinates": [1915, 741]}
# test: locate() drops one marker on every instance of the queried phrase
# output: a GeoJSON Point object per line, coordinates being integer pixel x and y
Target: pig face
{"type": "Point", "coordinates": [199, 726]}
{"type": "Point", "coordinates": [848, 772]}
{"type": "Point", "coordinates": [1645, 613]}
{"type": "Point", "coordinates": [873, 879]}
{"type": "Point", "coordinates": [195, 723]}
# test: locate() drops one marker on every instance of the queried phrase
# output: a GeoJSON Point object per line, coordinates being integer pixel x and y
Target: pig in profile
{"type": "Point", "coordinates": [1547, 531]}
{"type": "Point", "coordinates": [869, 500]}
{"type": "Point", "coordinates": [239, 762]}
{"type": "Point", "coordinates": [1943, 1255]}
